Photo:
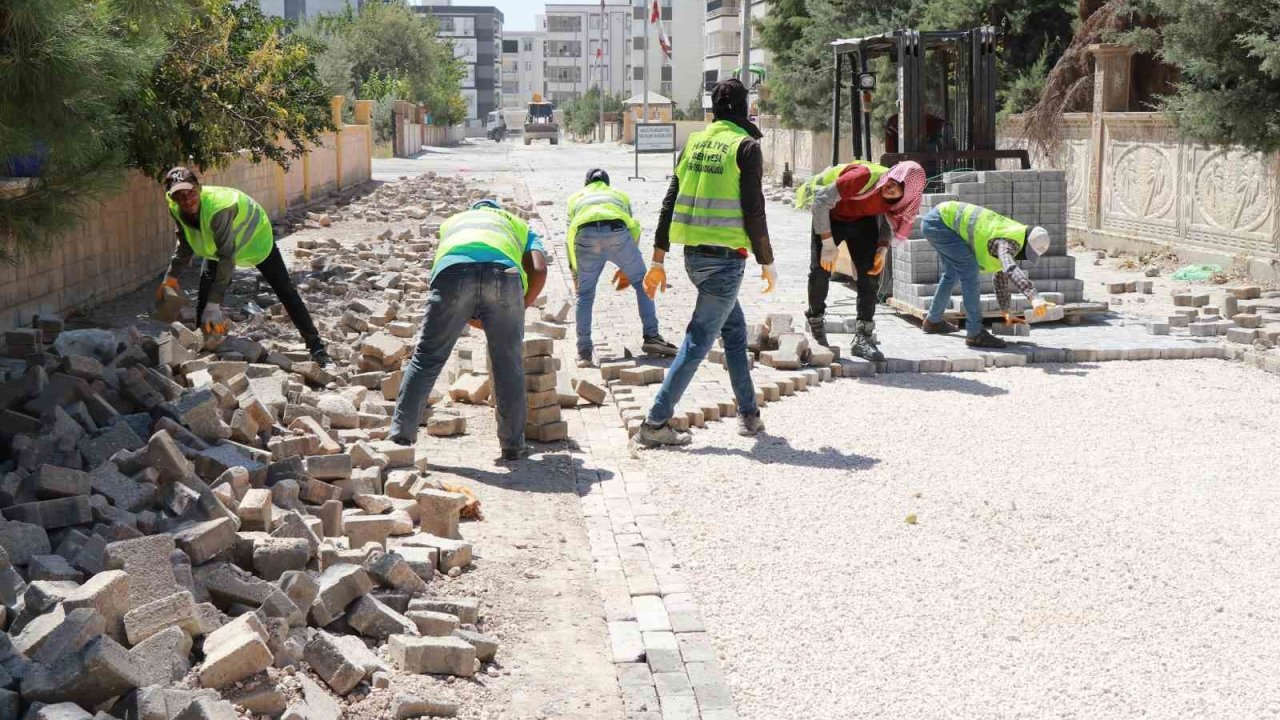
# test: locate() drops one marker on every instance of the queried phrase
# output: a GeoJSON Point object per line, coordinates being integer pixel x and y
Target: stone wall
{"type": "Point", "coordinates": [125, 240]}
{"type": "Point", "coordinates": [806, 151]}
{"type": "Point", "coordinates": [1134, 184]}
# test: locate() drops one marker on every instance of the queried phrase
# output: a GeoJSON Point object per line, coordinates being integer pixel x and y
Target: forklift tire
{"type": "Point", "coordinates": [555, 141]}
{"type": "Point", "coordinates": [527, 141]}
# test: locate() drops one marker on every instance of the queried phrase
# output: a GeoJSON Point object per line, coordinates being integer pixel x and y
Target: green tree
{"type": "Point", "coordinates": [583, 114]}
{"type": "Point", "coordinates": [65, 68]}
{"type": "Point", "coordinates": [228, 82]}
{"type": "Point", "coordinates": [1229, 55]}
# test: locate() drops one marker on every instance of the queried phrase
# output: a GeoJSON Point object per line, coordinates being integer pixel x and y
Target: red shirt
{"type": "Point", "coordinates": [850, 183]}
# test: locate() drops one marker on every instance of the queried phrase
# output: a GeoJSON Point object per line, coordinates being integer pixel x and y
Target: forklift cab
{"type": "Point", "coordinates": [946, 82]}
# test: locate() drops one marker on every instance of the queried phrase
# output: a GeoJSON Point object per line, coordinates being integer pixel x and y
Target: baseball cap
{"type": "Point", "coordinates": [179, 178]}
{"type": "Point", "coordinates": [1037, 244]}
{"type": "Point", "coordinates": [595, 174]}
{"type": "Point", "coordinates": [486, 203]}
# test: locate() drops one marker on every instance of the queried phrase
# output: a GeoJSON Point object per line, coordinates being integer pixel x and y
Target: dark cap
{"type": "Point", "coordinates": [729, 98]}
{"type": "Point", "coordinates": [595, 174]}
{"type": "Point", "coordinates": [179, 178]}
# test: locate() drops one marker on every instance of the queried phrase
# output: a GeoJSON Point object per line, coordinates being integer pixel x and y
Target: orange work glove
{"type": "Point", "coordinates": [655, 280]}
{"type": "Point", "coordinates": [169, 282]}
{"type": "Point", "coordinates": [881, 253]}
{"type": "Point", "coordinates": [621, 281]}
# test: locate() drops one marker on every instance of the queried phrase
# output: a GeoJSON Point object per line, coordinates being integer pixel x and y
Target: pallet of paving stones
{"type": "Point", "coordinates": [1069, 312]}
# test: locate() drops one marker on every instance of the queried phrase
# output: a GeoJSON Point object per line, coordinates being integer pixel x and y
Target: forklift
{"type": "Point", "coordinates": [955, 69]}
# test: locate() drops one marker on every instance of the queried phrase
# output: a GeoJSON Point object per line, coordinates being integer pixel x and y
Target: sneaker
{"type": "Point", "coordinates": [584, 360]}
{"type": "Point", "coordinates": [749, 425]}
{"type": "Point", "coordinates": [664, 434]}
{"type": "Point", "coordinates": [658, 345]}
{"type": "Point", "coordinates": [517, 453]}
{"type": "Point", "coordinates": [321, 357]}
{"type": "Point", "coordinates": [985, 339]}
{"type": "Point", "coordinates": [818, 329]}
{"type": "Point", "coordinates": [939, 328]}
{"type": "Point", "coordinates": [864, 346]}
{"type": "Point", "coordinates": [400, 440]}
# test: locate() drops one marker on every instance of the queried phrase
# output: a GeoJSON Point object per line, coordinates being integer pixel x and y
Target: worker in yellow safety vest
{"type": "Point", "coordinates": [602, 229]}
{"type": "Point", "coordinates": [489, 267]}
{"type": "Point", "coordinates": [970, 240]}
{"type": "Point", "coordinates": [227, 229]}
{"type": "Point", "coordinates": [715, 208]}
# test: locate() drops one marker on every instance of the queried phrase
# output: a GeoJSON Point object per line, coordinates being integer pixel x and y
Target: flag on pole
{"type": "Point", "coordinates": [664, 40]}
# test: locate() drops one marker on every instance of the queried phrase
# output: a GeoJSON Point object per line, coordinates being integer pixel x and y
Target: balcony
{"type": "Point", "coordinates": [722, 8]}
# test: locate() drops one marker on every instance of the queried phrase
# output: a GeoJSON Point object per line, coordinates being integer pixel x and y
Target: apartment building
{"type": "Point", "coordinates": [522, 67]}
{"type": "Point", "coordinates": [583, 47]}
{"type": "Point", "coordinates": [723, 42]}
{"type": "Point", "coordinates": [476, 33]}
{"type": "Point", "coordinates": [680, 76]}
{"type": "Point", "coordinates": [302, 9]}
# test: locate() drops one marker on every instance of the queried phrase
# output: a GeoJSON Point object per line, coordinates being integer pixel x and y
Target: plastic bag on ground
{"type": "Point", "coordinates": [1197, 272]}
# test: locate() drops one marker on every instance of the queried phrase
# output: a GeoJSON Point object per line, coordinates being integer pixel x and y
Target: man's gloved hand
{"type": "Point", "coordinates": [878, 267]}
{"type": "Point", "coordinates": [770, 277]}
{"type": "Point", "coordinates": [827, 260]}
{"type": "Point", "coordinates": [655, 279]}
{"type": "Point", "coordinates": [475, 323]}
{"type": "Point", "coordinates": [1011, 319]}
{"type": "Point", "coordinates": [621, 281]}
{"type": "Point", "coordinates": [214, 322]}
{"type": "Point", "coordinates": [1040, 306]}
{"type": "Point", "coordinates": [169, 282]}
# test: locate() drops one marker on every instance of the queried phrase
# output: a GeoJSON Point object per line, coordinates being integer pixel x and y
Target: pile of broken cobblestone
{"type": "Point", "coordinates": [225, 532]}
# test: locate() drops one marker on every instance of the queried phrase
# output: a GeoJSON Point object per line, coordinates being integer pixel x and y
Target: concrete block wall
{"type": "Point", "coordinates": [125, 240]}
{"type": "Point", "coordinates": [1033, 197]}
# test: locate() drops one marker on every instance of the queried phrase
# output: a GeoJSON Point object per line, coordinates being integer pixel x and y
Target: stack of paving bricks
{"type": "Point", "coordinates": [541, 386]}
{"type": "Point", "coordinates": [1032, 197]}
{"type": "Point", "coordinates": [184, 529]}
{"type": "Point", "coordinates": [1240, 315]}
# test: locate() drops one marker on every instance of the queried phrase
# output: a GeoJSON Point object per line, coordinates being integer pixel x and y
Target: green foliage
{"type": "Point", "coordinates": [692, 111]}
{"type": "Point", "coordinates": [799, 33]}
{"type": "Point", "coordinates": [389, 50]}
{"type": "Point", "coordinates": [228, 83]}
{"type": "Point", "coordinates": [583, 114]}
{"type": "Point", "coordinates": [1229, 55]}
{"type": "Point", "coordinates": [65, 68]}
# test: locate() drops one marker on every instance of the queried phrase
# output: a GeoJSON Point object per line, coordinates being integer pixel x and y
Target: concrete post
{"type": "Point", "coordinates": [364, 116]}
{"type": "Point", "coordinates": [1111, 90]}
{"type": "Point", "coordinates": [335, 107]}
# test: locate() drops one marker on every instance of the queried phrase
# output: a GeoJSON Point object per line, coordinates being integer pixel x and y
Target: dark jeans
{"type": "Point", "coordinates": [493, 294]}
{"type": "Point", "coordinates": [862, 237]}
{"type": "Point", "coordinates": [277, 276]}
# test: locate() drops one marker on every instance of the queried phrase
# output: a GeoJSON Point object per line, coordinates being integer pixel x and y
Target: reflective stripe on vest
{"type": "Point", "coordinates": [597, 202]}
{"type": "Point", "coordinates": [250, 228]}
{"type": "Point", "coordinates": [978, 226]}
{"type": "Point", "coordinates": [485, 228]}
{"type": "Point", "coordinates": [708, 209]}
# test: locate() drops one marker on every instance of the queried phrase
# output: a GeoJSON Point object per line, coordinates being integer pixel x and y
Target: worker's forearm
{"type": "Point", "coordinates": [659, 255]}
{"type": "Point", "coordinates": [536, 282]}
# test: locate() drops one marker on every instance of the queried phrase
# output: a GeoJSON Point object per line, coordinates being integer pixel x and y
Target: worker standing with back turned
{"type": "Point", "coordinates": [715, 208]}
{"type": "Point", "coordinates": [865, 208]}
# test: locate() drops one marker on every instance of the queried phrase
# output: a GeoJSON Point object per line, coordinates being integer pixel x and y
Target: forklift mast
{"type": "Point", "coordinates": [963, 61]}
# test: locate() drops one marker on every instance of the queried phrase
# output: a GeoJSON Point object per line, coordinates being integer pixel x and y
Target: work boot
{"type": "Point", "coordinates": [985, 339]}
{"type": "Point", "coordinates": [864, 342]}
{"type": "Point", "coordinates": [664, 434]}
{"type": "Point", "coordinates": [516, 453]}
{"type": "Point", "coordinates": [818, 329]}
{"type": "Point", "coordinates": [321, 357]}
{"type": "Point", "coordinates": [941, 327]}
{"type": "Point", "coordinates": [584, 359]}
{"type": "Point", "coordinates": [657, 345]}
{"type": "Point", "coordinates": [750, 425]}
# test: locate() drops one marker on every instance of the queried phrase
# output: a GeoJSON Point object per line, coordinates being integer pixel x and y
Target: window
{"type": "Point", "coordinates": [593, 21]}
{"type": "Point", "coordinates": [638, 43]}
{"type": "Point", "coordinates": [666, 73]}
{"type": "Point", "coordinates": [510, 46]}
{"type": "Point", "coordinates": [528, 66]}
{"type": "Point", "coordinates": [528, 45]}
{"type": "Point", "coordinates": [709, 79]}
{"type": "Point", "coordinates": [637, 73]}
{"type": "Point", "coordinates": [564, 23]}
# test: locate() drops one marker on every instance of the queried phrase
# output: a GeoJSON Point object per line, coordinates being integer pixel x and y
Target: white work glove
{"type": "Point", "coordinates": [213, 321]}
{"type": "Point", "coordinates": [770, 277]}
{"type": "Point", "coordinates": [827, 260]}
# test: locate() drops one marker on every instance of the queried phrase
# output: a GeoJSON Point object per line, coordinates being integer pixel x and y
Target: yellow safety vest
{"type": "Point", "coordinates": [708, 209]}
{"type": "Point", "coordinates": [978, 226]}
{"type": "Point", "coordinates": [251, 228]}
{"type": "Point", "coordinates": [810, 187]}
{"type": "Point", "coordinates": [598, 202]}
{"type": "Point", "coordinates": [485, 228]}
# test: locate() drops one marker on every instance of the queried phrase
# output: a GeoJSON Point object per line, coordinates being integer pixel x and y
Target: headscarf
{"type": "Point", "coordinates": [902, 214]}
{"type": "Point", "coordinates": [729, 99]}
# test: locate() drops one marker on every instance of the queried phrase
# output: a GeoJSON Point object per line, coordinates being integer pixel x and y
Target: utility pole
{"type": "Point", "coordinates": [648, 18]}
{"type": "Point", "coordinates": [600, 59]}
{"type": "Point", "coordinates": [744, 74]}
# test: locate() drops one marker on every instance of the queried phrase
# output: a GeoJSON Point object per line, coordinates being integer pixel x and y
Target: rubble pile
{"type": "Point", "coordinates": [220, 533]}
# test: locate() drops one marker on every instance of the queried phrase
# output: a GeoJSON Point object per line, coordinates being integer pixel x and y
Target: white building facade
{"type": "Point", "coordinates": [723, 43]}
{"type": "Point", "coordinates": [522, 67]}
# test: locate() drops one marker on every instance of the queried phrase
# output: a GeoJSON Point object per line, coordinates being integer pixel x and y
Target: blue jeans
{"type": "Point", "coordinates": [716, 314]}
{"type": "Point", "coordinates": [594, 246]}
{"type": "Point", "coordinates": [491, 293]}
{"type": "Point", "coordinates": [958, 265]}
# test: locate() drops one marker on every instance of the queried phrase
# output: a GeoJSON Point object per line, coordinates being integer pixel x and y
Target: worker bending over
{"type": "Point", "coordinates": [865, 208]}
{"type": "Point", "coordinates": [226, 228]}
{"type": "Point", "coordinates": [601, 229]}
{"type": "Point", "coordinates": [715, 208]}
{"type": "Point", "coordinates": [972, 240]}
{"type": "Point", "coordinates": [489, 267]}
